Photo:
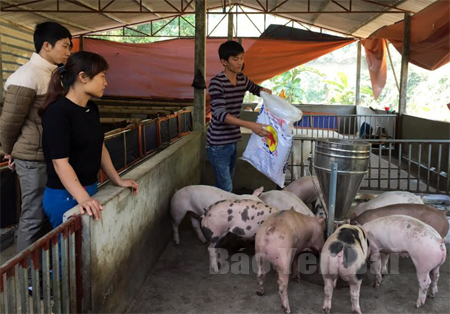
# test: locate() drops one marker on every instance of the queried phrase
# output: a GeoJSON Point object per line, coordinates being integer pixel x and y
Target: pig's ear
{"type": "Point", "coordinates": [258, 191]}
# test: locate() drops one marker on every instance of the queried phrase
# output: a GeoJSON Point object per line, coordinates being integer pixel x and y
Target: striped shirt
{"type": "Point", "coordinates": [227, 99]}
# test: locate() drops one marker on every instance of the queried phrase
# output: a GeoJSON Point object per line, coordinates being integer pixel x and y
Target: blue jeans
{"type": "Point", "coordinates": [58, 201]}
{"type": "Point", "coordinates": [223, 162]}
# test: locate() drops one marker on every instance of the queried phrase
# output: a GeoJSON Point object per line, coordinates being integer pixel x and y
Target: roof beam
{"type": "Point", "coordinates": [303, 22]}
{"type": "Point", "coordinates": [390, 6]}
{"type": "Point", "coordinates": [276, 7]}
{"type": "Point", "coordinates": [48, 16]}
{"type": "Point", "coordinates": [374, 16]}
{"type": "Point", "coordinates": [90, 7]}
{"type": "Point", "coordinates": [321, 8]}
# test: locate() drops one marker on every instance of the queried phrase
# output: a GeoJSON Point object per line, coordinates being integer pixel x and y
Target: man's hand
{"type": "Point", "coordinates": [266, 90]}
{"type": "Point", "coordinates": [259, 129]}
{"type": "Point", "coordinates": [11, 164]}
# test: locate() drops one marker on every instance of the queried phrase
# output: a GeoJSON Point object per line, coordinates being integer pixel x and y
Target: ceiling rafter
{"type": "Point", "coordinates": [248, 17]}
{"type": "Point", "coordinates": [89, 9]}
{"type": "Point", "coordinates": [374, 16]}
{"type": "Point", "coordinates": [88, 6]}
{"type": "Point", "coordinates": [389, 6]}
{"type": "Point", "coordinates": [99, 5]}
{"type": "Point", "coordinates": [303, 22]}
{"type": "Point", "coordinates": [51, 17]}
{"type": "Point", "coordinates": [341, 6]}
{"type": "Point", "coordinates": [321, 8]}
{"type": "Point", "coordinates": [279, 5]}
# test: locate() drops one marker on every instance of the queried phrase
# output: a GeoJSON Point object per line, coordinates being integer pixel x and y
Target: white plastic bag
{"type": "Point", "coordinates": [270, 154]}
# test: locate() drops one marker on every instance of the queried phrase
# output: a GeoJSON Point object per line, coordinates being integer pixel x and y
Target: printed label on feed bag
{"type": "Point", "coordinates": [270, 154]}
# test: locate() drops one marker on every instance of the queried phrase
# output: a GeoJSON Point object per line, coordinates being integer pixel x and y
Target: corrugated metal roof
{"type": "Point", "coordinates": [358, 18]}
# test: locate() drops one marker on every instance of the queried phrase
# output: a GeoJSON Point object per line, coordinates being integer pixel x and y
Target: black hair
{"type": "Point", "coordinates": [49, 32]}
{"type": "Point", "coordinates": [65, 76]}
{"type": "Point", "coordinates": [230, 48]}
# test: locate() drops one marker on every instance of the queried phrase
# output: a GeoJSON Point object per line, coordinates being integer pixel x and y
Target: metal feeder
{"type": "Point", "coordinates": [343, 164]}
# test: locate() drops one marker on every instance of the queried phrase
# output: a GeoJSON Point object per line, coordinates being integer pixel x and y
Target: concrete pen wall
{"type": "Point", "coordinates": [120, 249]}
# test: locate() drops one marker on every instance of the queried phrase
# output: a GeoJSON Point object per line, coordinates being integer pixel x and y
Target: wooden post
{"type": "Point", "coordinates": [405, 61]}
{"type": "Point", "coordinates": [81, 43]}
{"type": "Point", "coordinates": [358, 76]}
{"type": "Point", "coordinates": [230, 26]}
{"type": "Point", "coordinates": [1, 73]}
{"type": "Point", "coordinates": [200, 49]}
{"type": "Point", "coordinates": [404, 73]}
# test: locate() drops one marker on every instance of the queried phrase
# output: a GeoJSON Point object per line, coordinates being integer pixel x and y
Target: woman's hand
{"type": "Point", "coordinates": [92, 206]}
{"type": "Point", "coordinates": [259, 129]}
{"type": "Point", "coordinates": [125, 183]}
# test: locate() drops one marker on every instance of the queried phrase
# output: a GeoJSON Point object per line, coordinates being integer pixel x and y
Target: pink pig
{"type": "Point", "coordinates": [409, 237]}
{"type": "Point", "coordinates": [306, 188]}
{"type": "Point", "coordinates": [281, 238]}
{"type": "Point", "coordinates": [195, 199]}
{"type": "Point", "coordinates": [386, 198]}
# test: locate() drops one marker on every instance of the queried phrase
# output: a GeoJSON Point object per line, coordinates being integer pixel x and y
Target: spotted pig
{"type": "Point", "coordinates": [280, 239]}
{"type": "Point", "coordinates": [195, 199]}
{"type": "Point", "coordinates": [411, 237]}
{"type": "Point", "coordinates": [344, 255]}
{"type": "Point", "coordinates": [240, 217]}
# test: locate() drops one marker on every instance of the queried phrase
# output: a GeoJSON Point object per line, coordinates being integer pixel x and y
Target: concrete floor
{"type": "Point", "coordinates": [181, 283]}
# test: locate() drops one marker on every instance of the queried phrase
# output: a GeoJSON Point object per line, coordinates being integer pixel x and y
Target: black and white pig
{"type": "Point", "coordinates": [344, 255]}
{"type": "Point", "coordinates": [239, 217]}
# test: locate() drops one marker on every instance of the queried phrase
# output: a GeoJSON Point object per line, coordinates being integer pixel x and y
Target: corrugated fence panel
{"type": "Point", "coordinates": [16, 48]}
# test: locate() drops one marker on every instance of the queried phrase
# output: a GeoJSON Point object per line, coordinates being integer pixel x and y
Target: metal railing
{"type": "Point", "coordinates": [408, 165]}
{"type": "Point", "coordinates": [53, 263]}
{"type": "Point", "coordinates": [347, 125]}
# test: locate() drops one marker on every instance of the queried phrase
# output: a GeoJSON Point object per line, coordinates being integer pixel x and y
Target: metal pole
{"type": "Point", "coordinates": [332, 199]}
{"type": "Point", "coordinates": [358, 76]}
{"type": "Point", "coordinates": [200, 48]}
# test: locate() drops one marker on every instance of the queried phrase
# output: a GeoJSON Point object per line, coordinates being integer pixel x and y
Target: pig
{"type": "Point", "coordinates": [344, 255]}
{"type": "Point", "coordinates": [285, 200]}
{"type": "Point", "coordinates": [239, 217]}
{"type": "Point", "coordinates": [283, 236]}
{"type": "Point", "coordinates": [195, 199]}
{"type": "Point", "coordinates": [306, 188]}
{"type": "Point", "coordinates": [386, 198]}
{"type": "Point", "coordinates": [431, 216]}
{"type": "Point", "coordinates": [425, 213]}
{"type": "Point", "coordinates": [409, 237]}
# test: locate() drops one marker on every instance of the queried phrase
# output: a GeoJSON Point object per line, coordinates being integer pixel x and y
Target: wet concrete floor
{"type": "Point", "coordinates": [182, 283]}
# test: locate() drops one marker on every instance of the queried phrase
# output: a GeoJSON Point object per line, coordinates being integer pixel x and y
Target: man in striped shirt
{"type": "Point", "coordinates": [227, 90]}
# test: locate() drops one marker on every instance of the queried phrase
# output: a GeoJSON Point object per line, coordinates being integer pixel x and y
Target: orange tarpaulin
{"type": "Point", "coordinates": [267, 58]}
{"type": "Point", "coordinates": [165, 69]}
{"type": "Point", "coordinates": [376, 61]}
{"type": "Point", "coordinates": [429, 42]}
